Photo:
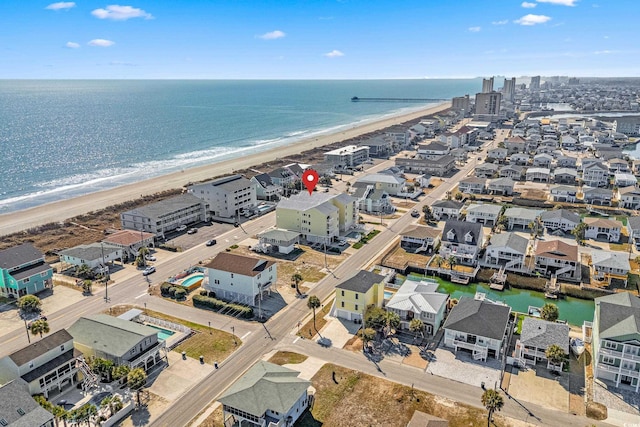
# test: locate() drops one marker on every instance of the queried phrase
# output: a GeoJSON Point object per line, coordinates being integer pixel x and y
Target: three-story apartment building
{"type": "Point", "coordinates": [226, 196]}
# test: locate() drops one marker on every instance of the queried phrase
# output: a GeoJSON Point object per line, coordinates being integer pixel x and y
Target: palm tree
{"type": "Point", "coordinates": [367, 334]}
{"type": "Point", "coordinates": [417, 326]}
{"type": "Point", "coordinates": [492, 400]}
{"type": "Point", "coordinates": [39, 327]}
{"type": "Point", "coordinates": [29, 304]}
{"type": "Point", "coordinates": [84, 271]}
{"type": "Point", "coordinates": [579, 231]}
{"type": "Point", "coordinates": [297, 278]}
{"type": "Point", "coordinates": [314, 302]}
{"type": "Point", "coordinates": [61, 414]}
{"type": "Point", "coordinates": [549, 312]}
{"type": "Point", "coordinates": [452, 261]}
{"type": "Point", "coordinates": [392, 321]}
{"type": "Point", "coordinates": [555, 355]}
{"type": "Point", "coordinates": [137, 379]}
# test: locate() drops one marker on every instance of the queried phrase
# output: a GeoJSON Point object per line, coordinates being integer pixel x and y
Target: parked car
{"type": "Point", "coordinates": [415, 213]}
{"type": "Point", "coordinates": [181, 228]}
{"type": "Point", "coordinates": [149, 270]}
{"type": "Point", "coordinates": [211, 242]}
{"type": "Point", "coordinates": [192, 231]}
{"type": "Point", "coordinates": [150, 258]}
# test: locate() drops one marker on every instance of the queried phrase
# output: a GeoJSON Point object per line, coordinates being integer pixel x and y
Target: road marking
{"type": "Point", "coordinates": [245, 335]}
{"type": "Point", "coordinates": [140, 296]}
{"type": "Point", "coordinates": [12, 339]}
{"type": "Point", "coordinates": [296, 340]}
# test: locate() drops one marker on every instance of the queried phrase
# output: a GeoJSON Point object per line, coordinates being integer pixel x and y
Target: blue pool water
{"type": "Point", "coordinates": [163, 334]}
{"type": "Point", "coordinates": [191, 280]}
{"type": "Point", "coordinates": [388, 294]}
{"type": "Point", "coordinates": [264, 208]}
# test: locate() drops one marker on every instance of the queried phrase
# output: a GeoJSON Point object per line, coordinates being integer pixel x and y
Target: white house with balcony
{"type": "Point", "coordinates": [607, 266]}
{"type": "Point", "coordinates": [240, 279]}
{"type": "Point", "coordinates": [508, 251]}
{"type": "Point", "coordinates": [419, 238]}
{"type": "Point", "coordinates": [564, 193]}
{"type": "Point", "coordinates": [477, 326]}
{"type": "Point", "coordinates": [446, 209]}
{"type": "Point", "coordinates": [472, 185]}
{"type": "Point", "coordinates": [536, 336]}
{"type": "Point", "coordinates": [629, 197]}
{"type": "Point", "coordinates": [484, 213]}
{"type": "Point", "coordinates": [595, 175]}
{"type": "Point", "coordinates": [419, 300]}
{"type": "Point", "coordinates": [521, 218]}
{"type": "Point", "coordinates": [616, 340]}
{"type": "Point", "coordinates": [462, 240]}
{"type": "Point", "coordinates": [560, 219]}
{"type": "Point", "coordinates": [602, 229]}
{"type": "Point", "coordinates": [555, 258]}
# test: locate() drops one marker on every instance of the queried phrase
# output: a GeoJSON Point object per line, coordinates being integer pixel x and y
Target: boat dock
{"type": "Point", "coordinates": [358, 99]}
{"type": "Point", "coordinates": [552, 288]}
{"type": "Point", "coordinates": [498, 280]}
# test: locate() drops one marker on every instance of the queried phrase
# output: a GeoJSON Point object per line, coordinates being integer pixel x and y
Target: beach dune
{"type": "Point", "coordinates": [62, 210]}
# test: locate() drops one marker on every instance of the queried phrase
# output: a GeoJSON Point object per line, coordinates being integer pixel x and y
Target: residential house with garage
{"type": "Point", "coordinates": [603, 229]}
{"type": "Point", "coordinates": [472, 185]}
{"type": "Point", "coordinates": [477, 326]}
{"type": "Point", "coordinates": [485, 213]}
{"type": "Point", "coordinates": [538, 174]}
{"type": "Point", "coordinates": [379, 146]}
{"type": "Point", "coordinates": [563, 193]}
{"type": "Point", "coordinates": [282, 177]}
{"type": "Point", "coordinates": [514, 172]}
{"type": "Point", "coordinates": [266, 395]}
{"type": "Point", "coordinates": [19, 409]}
{"type": "Point", "coordinates": [629, 197]}
{"type": "Point", "coordinates": [487, 170]}
{"type": "Point", "coordinates": [501, 186]}
{"type": "Point", "coordinates": [48, 366]}
{"type": "Point", "coordinates": [460, 154]}
{"type": "Point", "coordinates": [562, 220]}
{"type": "Point", "coordinates": [96, 256]}
{"type": "Point", "coordinates": [566, 162]}
{"type": "Point", "coordinates": [521, 218]}
{"type": "Point", "coordinates": [130, 242]}
{"type": "Point", "coordinates": [419, 300]}
{"type": "Point", "coordinates": [622, 179]}
{"type": "Point", "coordinates": [371, 201]}
{"type": "Point", "coordinates": [23, 271]}
{"type": "Point", "coordinates": [446, 209]}
{"type": "Point", "coordinates": [542, 160]}
{"type": "Point", "coordinates": [440, 166]}
{"type": "Point", "coordinates": [498, 153]}
{"type": "Point", "coordinates": [391, 184]}
{"type": "Point", "coordinates": [508, 251]}
{"type": "Point", "coordinates": [595, 175]}
{"type": "Point", "coordinates": [536, 336]}
{"type": "Point", "coordinates": [557, 258]}
{"type": "Point", "coordinates": [597, 196]}
{"type": "Point", "coordinates": [616, 340]}
{"type": "Point", "coordinates": [565, 176]}
{"type": "Point", "coordinates": [239, 278]}
{"type": "Point", "coordinates": [463, 240]}
{"type": "Point", "coordinates": [359, 292]}
{"type": "Point", "coordinates": [520, 159]}
{"type": "Point", "coordinates": [609, 266]}
{"type": "Point", "coordinates": [515, 144]}
{"type": "Point", "coordinates": [419, 238]}
{"type": "Point", "coordinates": [618, 166]}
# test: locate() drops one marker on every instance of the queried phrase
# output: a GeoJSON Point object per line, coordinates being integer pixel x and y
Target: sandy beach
{"type": "Point", "coordinates": [59, 211]}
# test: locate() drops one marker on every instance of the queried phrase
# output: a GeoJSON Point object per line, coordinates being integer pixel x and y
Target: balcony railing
{"type": "Point", "coordinates": [617, 370]}
{"type": "Point", "coordinates": [619, 354]}
{"type": "Point", "coordinates": [471, 346]}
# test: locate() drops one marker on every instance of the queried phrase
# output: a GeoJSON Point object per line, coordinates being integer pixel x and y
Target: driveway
{"type": "Point", "coordinates": [537, 385]}
{"type": "Point", "coordinates": [179, 376]}
{"type": "Point", "coordinates": [339, 331]}
{"type": "Point", "coordinates": [462, 368]}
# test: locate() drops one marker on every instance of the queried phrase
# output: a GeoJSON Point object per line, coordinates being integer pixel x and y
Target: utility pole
{"type": "Point", "coordinates": [27, 329]}
{"type": "Point", "coordinates": [233, 332]}
{"type": "Point", "coordinates": [106, 283]}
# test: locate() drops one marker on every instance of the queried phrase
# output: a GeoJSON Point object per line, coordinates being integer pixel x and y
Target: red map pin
{"type": "Point", "coordinates": [310, 180]}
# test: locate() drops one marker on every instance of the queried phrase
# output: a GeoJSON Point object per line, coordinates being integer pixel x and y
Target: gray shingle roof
{"type": "Point", "coordinates": [230, 183]}
{"type": "Point", "coordinates": [265, 386]}
{"type": "Point", "coordinates": [17, 255]}
{"type": "Point", "coordinates": [361, 282]}
{"type": "Point", "coordinates": [420, 232]}
{"type": "Point", "coordinates": [448, 204]}
{"type": "Point", "coordinates": [38, 348]}
{"type": "Point", "coordinates": [92, 251]}
{"type": "Point", "coordinates": [15, 395]}
{"type": "Point", "coordinates": [522, 213]}
{"type": "Point", "coordinates": [560, 214]}
{"type": "Point", "coordinates": [167, 206]}
{"type": "Point", "coordinates": [485, 208]}
{"type": "Point", "coordinates": [31, 270]}
{"type": "Point", "coordinates": [634, 222]}
{"type": "Point", "coordinates": [480, 318]}
{"type": "Point", "coordinates": [619, 316]}
{"type": "Point", "coordinates": [109, 334]}
{"type": "Point", "coordinates": [418, 297]}
{"type": "Point", "coordinates": [239, 264]}
{"type": "Point", "coordinates": [510, 240]}
{"type": "Point", "coordinates": [460, 230]}
{"type": "Point", "coordinates": [618, 260]}
{"type": "Point", "coordinates": [541, 334]}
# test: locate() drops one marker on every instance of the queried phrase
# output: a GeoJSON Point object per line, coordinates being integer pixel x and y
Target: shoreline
{"type": "Point", "coordinates": [61, 210]}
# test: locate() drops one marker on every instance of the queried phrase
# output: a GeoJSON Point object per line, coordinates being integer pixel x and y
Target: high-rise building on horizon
{"type": "Point", "coordinates": [488, 105]}
{"type": "Point", "coordinates": [535, 83]}
{"type": "Point", "coordinates": [487, 85]}
{"type": "Point", "coordinates": [509, 89]}
{"type": "Point", "coordinates": [461, 103]}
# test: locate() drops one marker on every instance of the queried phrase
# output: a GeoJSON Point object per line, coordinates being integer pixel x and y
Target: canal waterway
{"type": "Point", "coordinates": [574, 310]}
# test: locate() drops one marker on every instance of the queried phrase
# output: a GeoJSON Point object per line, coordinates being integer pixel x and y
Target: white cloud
{"type": "Point", "coordinates": [72, 45]}
{"type": "Point", "coordinates": [272, 35]}
{"type": "Point", "coordinates": [101, 43]}
{"type": "Point", "coordinates": [474, 29]}
{"type": "Point", "coordinates": [120, 13]}
{"type": "Point", "coordinates": [503, 22]}
{"type": "Point", "coordinates": [334, 54]}
{"type": "Point", "coordinates": [528, 5]}
{"type": "Point", "coordinates": [604, 52]}
{"type": "Point", "coordinates": [532, 19]}
{"type": "Point", "coordinates": [559, 2]}
{"type": "Point", "coordinates": [62, 5]}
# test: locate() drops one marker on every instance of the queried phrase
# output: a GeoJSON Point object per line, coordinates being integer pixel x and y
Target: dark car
{"type": "Point", "coordinates": [211, 242]}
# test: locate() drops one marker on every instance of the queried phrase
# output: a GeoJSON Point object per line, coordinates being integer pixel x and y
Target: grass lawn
{"type": "Point", "coordinates": [286, 357]}
{"type": "Point", "coordinates": [306, 330]}
{"type": "Point", "coordinates": [620, 247]}
{"type": "Point", "coordinates": [355, 399]}
{"type": "Point", "coordinates": [519, 324]}
{"type": "Point", "coordinates": [215, 345]}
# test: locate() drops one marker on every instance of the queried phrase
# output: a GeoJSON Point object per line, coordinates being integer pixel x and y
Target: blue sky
{"type": "Point", "coordinates": [345, 39]}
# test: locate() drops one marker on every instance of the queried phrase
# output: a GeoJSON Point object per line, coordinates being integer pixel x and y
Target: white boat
{"type": "Point", "coordinates": [577, 346]}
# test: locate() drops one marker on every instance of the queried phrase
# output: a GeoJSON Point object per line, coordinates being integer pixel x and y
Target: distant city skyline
{"type": "Point", "coordinates": [342, 39]}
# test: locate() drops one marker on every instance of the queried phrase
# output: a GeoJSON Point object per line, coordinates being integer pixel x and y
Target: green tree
{"type": "Point", "coordinates": [84, 271]}
{"type": "Point", "coordinates": [29, 304]}
{"type": "Point", "coordinates": [120, 372]}
{"type": "Point", "coordinates": [416, 326]}
{"type": "Point", "coordinates": [556, 355]}
{"type": "Point", "coordinates": [140, 259]}
{"type": "Point", "coordinates": [375, 317]}
{"type": "Point", "coordinates": [314, 302]}
{"type": "Point", "coordinates": [367, 335]}
{"type": "Point", "coordinates": [39, 327]}
{"type": "Point", "coordinates": [452, 261]}
{"type": "Point", "coordinates": [438, 261]}
{"type": "Point", "coordinates": [296, 279]}
{"type": "Point", "coordinates": [428, 214]}
{"type": "Point", "coordinates": [102, 367]}
{"type": "Point", "coordinates": [136, 379]}
{"type": "Point", "coordinates": [492, 400]}
{"type": "Point", "coordinates": [549, 312]}
{"type": "Point", "coordinates": [503, 222]}
{"type": "Point", "coordinates": [60, 414]}
{"type": "Point", "coordinates": [392, 321]}
{"type": "Point", "coordinates": [458, 196]}
{"type": "Point", "coordinates": [87, 286]}
{"type": "Point", "coordinates": [579, 231]}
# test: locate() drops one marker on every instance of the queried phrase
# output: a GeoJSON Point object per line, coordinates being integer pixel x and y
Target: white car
{"type": "Point", "coordinates": [150, 257]}
{"type": "Point", "coordinates": [181, 228]}
{"type": "Point", "coordinates": [149, 270]}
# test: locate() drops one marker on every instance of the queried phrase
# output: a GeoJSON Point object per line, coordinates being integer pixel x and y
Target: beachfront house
{"type": "Point", "coordinates": [240, 279]}
{"type": "Point", "coordinates": [560, 220]}
{"type": "Point", "coordinates": [359, 292]}
{"type": "Point", "coordinates": [478, 326]}
{"type": "Point", "coordinates": [607, 266]}
{"type": "Point", "coordinates": [603, 229]}
{"type": "Point", "coordinates": [419, 300]}
{"type": "Point", "coordinates": [462, 240]}
{"type": "Point", "coordinates": [265, 188]}
{"type": "Point", "coordinates": [122, 341]}
{"type": "Point", "coordinates": [166, 215]}
{"type": "Point", "coordinates": [485, 213]}
{"type": "Point", "coordinates": [521, 218]}
{"type": "Point", "coordinates": [96, 256]}
{"type": "Point", "coordinates": [19, 409]}
{"type": "Point", "coordinates": [419, 238]}
{"type": "Point", "coordinates": [227, 196]}
{"type": "Point", "coordinates": [266, 395]}
{"type": "Point", "coordinates": [563, 193]}
{"type": "Point", "coordinates": [507, 250]}
{"type": "Point", "coordinates": [130, 242]}
{"type": "Point", "coordinates": [557, 258]}
{"type": "Point", "coordinates": [379, 146]}
{"type": "Point", "coordinates": [319, 217]}
{"type": "Point", "coordinates": [616, 340]}
{"type": "Point", "coordinates": [629, 197]}
{"type": "Point", "coordinates": [48, 366]}
{"type": "Point", "coordinates": [347, 157]}
{"type": "Point", "coordinates": [446, 209]}
{"type": "Point", "coordinates": [536, 336]}
{"type": "Point", "coordinates": [23, 271]}
{"type": "Point", "coordinates": [472, 185]}
{"type": "Point", "coordinates": [282, 240]}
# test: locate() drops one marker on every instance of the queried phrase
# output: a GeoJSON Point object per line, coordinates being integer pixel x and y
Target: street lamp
{"type": "Point", "coordinates": [233, 332]}
{"type": "Point", "coordinates": [27, 329]}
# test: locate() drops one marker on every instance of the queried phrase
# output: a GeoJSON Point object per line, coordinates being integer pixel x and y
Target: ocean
{"type": "Point", "coordinates": [64, 138]}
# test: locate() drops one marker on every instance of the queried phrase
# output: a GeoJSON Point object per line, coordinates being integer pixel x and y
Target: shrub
{"type": "Point", "coordinates": [204, 292]}
{"type": "Point", "coordinates": [233, 247]}
{"type": "Point", "coordinates": [164, 289]}
{"type": "Point", "coordinates": [180, 293]}
{"type": "Point", "coordinates": [172, 291]}
{"type": "Point", "coordinates": [202, 301]}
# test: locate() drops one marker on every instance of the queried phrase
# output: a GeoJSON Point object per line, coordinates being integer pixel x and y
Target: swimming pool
{"type": "Point", "coordinates": [192, 280]}
{"type": "Point", "coordinates": [264, 208]}
{"type": "Point", "coordinates": [163, 334]}
{"type": "Point", "coordinates": [388, 294]}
